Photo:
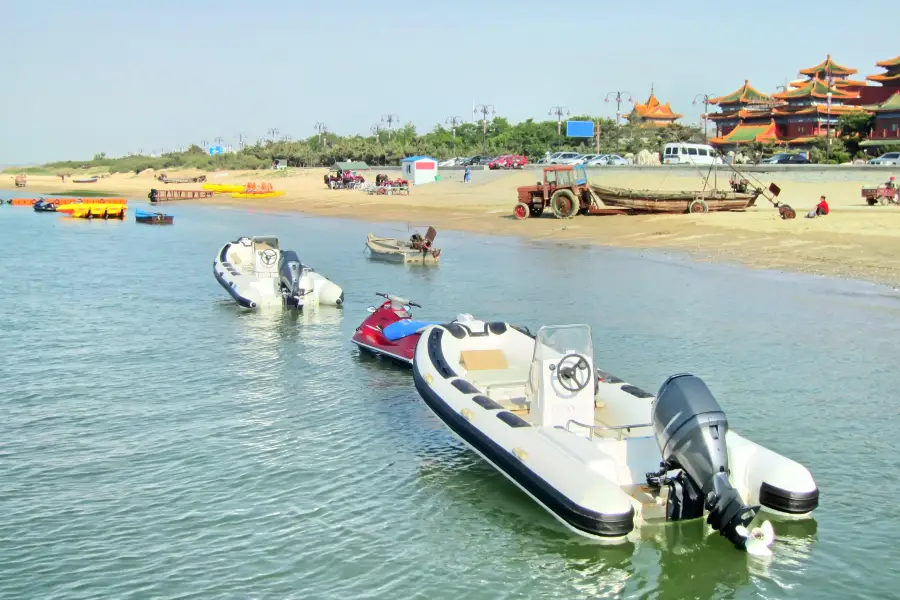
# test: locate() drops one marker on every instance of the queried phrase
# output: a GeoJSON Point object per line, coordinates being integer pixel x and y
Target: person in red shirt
{"type": "Point", "coordinates": [820, 209]}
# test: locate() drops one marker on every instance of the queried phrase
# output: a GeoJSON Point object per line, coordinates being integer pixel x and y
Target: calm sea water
{"type": "Point", "coordinates": [155, 442]}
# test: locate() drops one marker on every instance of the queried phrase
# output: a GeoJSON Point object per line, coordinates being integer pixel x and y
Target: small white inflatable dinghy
{"type": "Point", "coordinates": [600, 455]}
{"type": "Point", "coordinates": [258, 273]}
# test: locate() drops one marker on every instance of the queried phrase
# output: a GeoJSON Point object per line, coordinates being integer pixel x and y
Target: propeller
{"type": "Point", "coordinates": [758, 540]}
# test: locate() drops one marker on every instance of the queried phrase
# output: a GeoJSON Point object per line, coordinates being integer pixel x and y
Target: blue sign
{"type": "Point", "coordinates": [583, 129]}
{"type": "Point", "coordinates": [216, 150]}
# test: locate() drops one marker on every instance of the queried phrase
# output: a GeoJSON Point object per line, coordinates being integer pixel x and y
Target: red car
{"type": "Point", "coordinates": [508, 161]}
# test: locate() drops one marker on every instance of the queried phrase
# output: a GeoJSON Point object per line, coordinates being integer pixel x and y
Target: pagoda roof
{"type": "Point", "coordinates": [849, 83]}
{"type": "Point", "coordinates": [746, 94]}
{"type": "Point", "coordinates": [740, 114]}
{"type": "Point", "coordinates": [891, 62]}
{"type": "Point", "coordinates": [892, 104]}
{"type": "Point", "coordinates": [745, 134]}
{"type": "Point", "coordinates": [653, 109]}
{"type": "Point", "coordinates": [885, 77]}
{"type": "Point", "coordinates": [836, 109]}
{"type": "Point", "coordinates": [816, 88]}
{"type": "Point", "coordinates": [828, 66]}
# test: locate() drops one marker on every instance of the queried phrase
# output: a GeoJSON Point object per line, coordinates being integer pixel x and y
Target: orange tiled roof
{"type": "Point", "coordinates": [828, 66]}
{"type": "Point", "coordinates": [739, 114]}
{"type": "Point", "coordinates": [891, 62]}
{"type": "Point", "coordinates": [836, 109]}
{"type": "Point", "coordinates": [746, 94]}
{"type": "Point", "coordinates": [654, 110]}
{"type": "Point", "coordinates": [746, 134]}
{"type": "Point", "coordinates": [885, 78]}
{"type": "Point", "coordinates": [815, 88]}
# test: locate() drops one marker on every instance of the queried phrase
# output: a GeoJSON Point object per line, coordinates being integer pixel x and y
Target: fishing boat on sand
{"type": "Point", "coordinates": [688, 201]}
{"type": "Point", "coordinates": [418, 249]}
{"type": "Point", "coordinates": [153, 218]}
{"type": "Point", "coordinates": [85, 180]}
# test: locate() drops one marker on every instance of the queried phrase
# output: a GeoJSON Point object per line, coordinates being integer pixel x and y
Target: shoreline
{"type": "Point", "coordinates": [854, 242]}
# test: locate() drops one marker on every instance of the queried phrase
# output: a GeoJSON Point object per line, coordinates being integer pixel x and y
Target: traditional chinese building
{"type": "Point", "coordinates": [889, 83]}
{"type": "Point", "coordinates": [886, 130]}
{"type": "Point", "coordinates": [745, 116]}
{"type": "Point", "coordinates": [653, 113]}
{"type": "Point", "coordinates": [809, 111]}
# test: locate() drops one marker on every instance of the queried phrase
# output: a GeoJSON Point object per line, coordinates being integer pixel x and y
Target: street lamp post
{"type": "Point", "coordinates": [559, 111]}
{"type": "Point", "coordinates": [829, 82]}
{"type": "Point", "coordinates": [453, 122]}
{"type": "Point", "coordinates": [485, 110]}
{"type": "Point", "coordinates": [705, 98]}
{"type": "Point", "coordinates": [390, 120]}
{"type": "Point", "coordinates": [272, 133]}
{"type": "Point", "coordinates": [618, 96]}
{"type": "Point", "coordinates": [322, 129]}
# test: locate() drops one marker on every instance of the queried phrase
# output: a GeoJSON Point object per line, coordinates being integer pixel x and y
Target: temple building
{"type": "Point", "coordinates": [886, 130]}
{"type": "Point", "coordinates": [654, 114]}
{"type": "Point", "coordinates": [805, 113]}
{"type": "Point", "coordinates": [889, 82]}
{"type": "Point", "coordinates": [745, 116]}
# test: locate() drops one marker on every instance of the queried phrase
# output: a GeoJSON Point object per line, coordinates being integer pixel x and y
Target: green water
{"type": "Point", "coordinates": [156, 442]}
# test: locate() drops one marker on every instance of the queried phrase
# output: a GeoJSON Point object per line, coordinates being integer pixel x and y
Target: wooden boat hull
{"type": "Point", "coordinates": [649, 201]}
{"type": "Point", "coordinates": [396, 251]}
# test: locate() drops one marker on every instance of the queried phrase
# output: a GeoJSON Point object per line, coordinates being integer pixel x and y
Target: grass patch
{"type": "Point", "coordinates": [85, 193]}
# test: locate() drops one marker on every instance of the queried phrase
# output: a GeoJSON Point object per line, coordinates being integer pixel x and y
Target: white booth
{"type": "Point", "coordinates": [419, 169]}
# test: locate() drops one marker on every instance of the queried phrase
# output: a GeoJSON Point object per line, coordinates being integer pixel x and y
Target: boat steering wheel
{"type": "Point", "coordinates": [570, 369]}
{"type": "Point", "coordinates": [268, 257]}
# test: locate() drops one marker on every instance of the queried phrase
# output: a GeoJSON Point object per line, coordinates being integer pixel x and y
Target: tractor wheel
{"type": "Point", "coordinates": [787, 212]}
{"type": "Point", "coordinates": [698, 206]}
{"type": "Point", "coordinates": [521, 211]}
{"type": "Point", "coordinates": [871, 201]}
{"type": "Point", "coordinates": [883, 200]}
{"type": "Point", "coordinates": [564, 204]}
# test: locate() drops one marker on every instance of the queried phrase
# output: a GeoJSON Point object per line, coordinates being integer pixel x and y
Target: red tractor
{"type": "Point", "coordinates": [565, 190]}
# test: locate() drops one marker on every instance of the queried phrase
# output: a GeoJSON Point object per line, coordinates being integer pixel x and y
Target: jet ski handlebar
{"type": "Point", "coordinates": [398, 299]}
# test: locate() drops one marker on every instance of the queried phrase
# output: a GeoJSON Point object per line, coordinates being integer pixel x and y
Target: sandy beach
{"type": "Point", "coordinates": [855, 241]}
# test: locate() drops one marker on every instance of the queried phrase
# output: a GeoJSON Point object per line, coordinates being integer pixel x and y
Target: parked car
{"type": "Point", "coordinates": [566, 158]}
{"type": "Point", "coordinates": [889, 158]}
{"type": "Point", "coordinates": [508, 161]}
{"type": "Point", "coordinates": [794, 159]}
{"type": "Point", "coordinates": [586, 158]}
{"type": "Point", "coordinates": [775, 158]}
{"type": "Point", "coordinates": [476, 160]}
{"type": "Point", "coordinates": [546, 160]}
{"type": "Point", "coordinates": [680, 153]}
{"type": "Point", "coordinates": [607, 159]}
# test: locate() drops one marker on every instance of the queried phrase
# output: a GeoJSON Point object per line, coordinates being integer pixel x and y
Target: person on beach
{"type": "Point", "coordinates": [820, 209]}
{"type": "Point", "coordinates": [467, 178]}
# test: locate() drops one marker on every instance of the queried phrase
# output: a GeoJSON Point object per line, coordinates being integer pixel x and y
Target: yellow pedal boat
{"type": "Point", "coordinates": [271, 194]}
{"type": "Point", "coordinates": [223, 188]}
{"type": "Point", "coordinates": [90, 211]}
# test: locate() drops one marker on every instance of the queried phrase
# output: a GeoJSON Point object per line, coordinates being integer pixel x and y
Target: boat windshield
{"type": "Point", "coordinates": [268, 241]}
{"type": "Point", "coordinates": [552, 342]}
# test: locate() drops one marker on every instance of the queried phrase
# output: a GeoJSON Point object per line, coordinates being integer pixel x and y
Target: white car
{"type": "Point", "coordinates": [607, 159]}
{"type": "Point", "coordinates": [547, 159]}
{"type": "Point", "coordinates": [565, 158]}
{"type": "Point", "coordinates": [586, 158]}
{"type": "Point", "coordinates": [889, 158]}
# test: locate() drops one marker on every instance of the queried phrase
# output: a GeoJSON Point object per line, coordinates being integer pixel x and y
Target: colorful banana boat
{"type": "Point", "coordinates": [223, 188]}
{"type": "Point", "coordinates": [94, 210]}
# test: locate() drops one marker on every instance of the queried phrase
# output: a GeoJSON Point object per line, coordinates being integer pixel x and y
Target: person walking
{"type": "Point", "coordinates": [467, 178]}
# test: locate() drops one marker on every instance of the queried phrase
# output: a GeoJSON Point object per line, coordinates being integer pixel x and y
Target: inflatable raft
{"type": "Point", "coordinates": [87, 210]}
{"type": "Point", "coordinates": [223, 188]}
{"type": "Point", "coordinates": [601, 455]}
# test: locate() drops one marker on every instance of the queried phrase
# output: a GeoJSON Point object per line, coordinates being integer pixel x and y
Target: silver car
{"type": "Point", "coordinates": [889, 158]}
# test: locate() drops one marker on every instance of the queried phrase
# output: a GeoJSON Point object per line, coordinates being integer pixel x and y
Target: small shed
{"type": "Point", "coordinates": [419, 169]}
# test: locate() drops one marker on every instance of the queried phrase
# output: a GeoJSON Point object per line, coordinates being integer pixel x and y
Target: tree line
{"type": "Point", "coordinates": [387, 147]}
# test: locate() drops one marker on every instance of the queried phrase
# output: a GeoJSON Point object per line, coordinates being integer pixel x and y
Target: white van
{"type": "Point", "coordinates": [681, 153]}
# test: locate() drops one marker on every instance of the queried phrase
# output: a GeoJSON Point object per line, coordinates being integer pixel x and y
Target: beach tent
{"type": "Point", "coordinates": [419, 169]}
{"type": "Point", "coordinates": [350, 166]}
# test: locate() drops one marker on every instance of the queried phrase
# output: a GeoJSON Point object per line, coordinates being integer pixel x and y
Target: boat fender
{"type": "Point", "coordinates": [464, 386]}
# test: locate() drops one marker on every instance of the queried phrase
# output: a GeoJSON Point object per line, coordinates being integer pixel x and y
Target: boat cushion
{"type": "Point", "coordinates": [483, 360]}
{"type": "Point", "coordinates": [405, 327]}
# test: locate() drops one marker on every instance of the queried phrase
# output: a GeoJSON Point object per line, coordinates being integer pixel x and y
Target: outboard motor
{"type": "Point", "coordinates": [690, 429]}
{"type": "Point", "coordinates": [290, 271]}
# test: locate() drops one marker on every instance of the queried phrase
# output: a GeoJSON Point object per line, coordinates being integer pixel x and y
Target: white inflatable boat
{"type": "Point", "coordinates": [600, 455]}
{"type": "Point", "coordinates": [258, 273]}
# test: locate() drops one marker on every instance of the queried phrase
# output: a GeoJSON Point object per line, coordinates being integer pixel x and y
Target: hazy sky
{"type": "Point", "coordinates": [93, 75]}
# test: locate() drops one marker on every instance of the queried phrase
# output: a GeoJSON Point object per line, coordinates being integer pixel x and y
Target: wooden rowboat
{"type": "Point", "coordinates": [416, 250]}
{"type": "Point", "coordinates": [649, 201]}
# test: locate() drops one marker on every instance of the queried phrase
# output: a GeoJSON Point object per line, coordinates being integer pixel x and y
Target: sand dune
{"type": "Point", "coordinates": [854, 241]}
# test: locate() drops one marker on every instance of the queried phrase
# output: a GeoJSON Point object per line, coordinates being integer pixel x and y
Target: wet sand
{"type": "Point", "coordinates": [855, 241]}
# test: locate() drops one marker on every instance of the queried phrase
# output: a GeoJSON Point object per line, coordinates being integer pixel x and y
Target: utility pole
{"type": "Point", "coordinates": [485, 110]}
{"type": "Point", "coordinates": [560, 112]}
{"type": "Point", "coordinates": [241, 138]}
{"type": "Point", "coordinates": [390, 120]}
{"type": "Point", "coordinates": [829, 82]}
{"type": "Point", "coordinates": [376, 131]}
{"type": "Point", "coordinates": [705, 98]}
{"type": "Point", "coordinates": [322, 129]}
{"type": "Point", "coordinates": [453, 122]}
{"type": "Point", "coordinates": [618, 96]}
{"type": "Point", "coordinates": [272, 133]}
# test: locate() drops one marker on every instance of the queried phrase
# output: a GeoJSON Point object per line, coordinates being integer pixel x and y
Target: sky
{"type": "Point", "coordinates": [117, 77]}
